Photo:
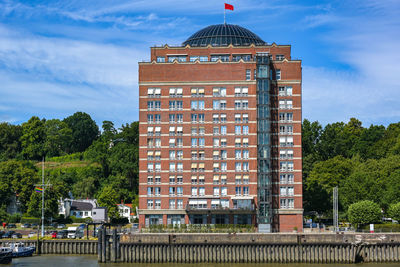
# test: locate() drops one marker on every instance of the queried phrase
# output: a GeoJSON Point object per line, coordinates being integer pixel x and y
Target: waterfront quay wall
{"type": "Point", "coordinates": [59, 246]}
{"type": "Point", "coordinates": [258, 248]}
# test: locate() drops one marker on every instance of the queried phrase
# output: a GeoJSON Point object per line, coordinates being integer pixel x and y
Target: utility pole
{"type": "Point", "coordinates": [335, 209]}
{"type": "Point", "coordinates": [43, 187]}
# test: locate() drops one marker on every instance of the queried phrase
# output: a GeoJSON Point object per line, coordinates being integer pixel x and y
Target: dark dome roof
{"type": "Point", "coordinates": [224, 35]}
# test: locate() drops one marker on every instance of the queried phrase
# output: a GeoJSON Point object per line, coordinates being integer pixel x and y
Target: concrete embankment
{"type": "Point", "coordinates": [279, 248]}
{"type": "Point", "coordinates": [230, 248]}
{"type": "Point", "coordinates": [59, 246]}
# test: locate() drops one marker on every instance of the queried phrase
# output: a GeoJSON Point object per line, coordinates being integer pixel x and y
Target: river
{"type": "Point", "coordinates": [91, 261]}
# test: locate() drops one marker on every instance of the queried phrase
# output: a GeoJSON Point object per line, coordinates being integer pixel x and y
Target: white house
{"type": "Point", "coordinates": [126, 211]}
{"type": "Point", "coordinates": [80, 208]}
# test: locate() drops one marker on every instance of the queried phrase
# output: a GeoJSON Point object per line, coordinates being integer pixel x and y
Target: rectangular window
{"type": "Point", "coordinates": [160, 59]}
{"type": "Point", "coordinates": [150, 118]}
{"type": "Point", "coordinates": [222, 105]}
{"type": "Point", "coordinates": [201, 142]}
{"type": "Point", "coordinates": [238, 154]}
{"type": "Point", "coordinates": [171, 118]}
{"type": "Point", "coordinates": [245, 130]}
{"type": "Point", "coordinates": [180, 203]}
{"type": "Point", "coordinates": [172, 180]}
{"type": "Point", "coordinates": [245, 166]}
{"type": "Point", "coordinates": [179, 154]}
{"type": "Point", "coordinates": [149, 179]}
{"type": "Point", "coordinates": [224, 191]}
{"type": "Point", "coordinates": [223, 130]}
{"type": "Point", "coordinates": [172, 154]}
{"type": "Point", "coordinates": [223, 166]}
{"type": "Point", "coordinates": [150, 191]}
{"type": "Point", "coordinates": [194, 191]}
{"type": "Point", "coordinates": [202, 191]}
{"type": "Point", "coordinates": [179, 191]}
{"type": "Point", "coordinates": [238, 130]}
{"type": "Point", "coordinates": [280, 57]}
{"type": "Point", "coordinates": [278, 74]}
{"type": "Point", "coordinates": [290, 178]}
{"type": "Point", "coordinates": [194, 142]}
{"type": "Point", "coordinates": [201, 118]}
{"type": "Point", "coordinates": [172, 191]}
{"type": "Point", "coordinates": [248, 75]}
{"type": "Point", "coordinates": [223, 118]}
{"type": "Point", "coordinates": [216, 191]}
{"type": "Point", "coordinates": [216, 104]}
{"type": "Point", "coordinates": [245, 154]}
{"type": "Point", "coordinates": [193, 118]}
{"type": "Point", "coordinates": [172, 203]}
{"type": "Point", "coordinates": [238, 190]}
{"type": "Point", "coordinates": [245, 191]}
{"type": "Point", "coordinates": [215, 130]}
{"type": "Point", "coordinates": [150, 204]}
{"type": "Point", "coordinates": [179, 118]}
{"type": "Point", "coordinates": [223, 142]}
{"type": "Point", "coordinates": [283, 191]}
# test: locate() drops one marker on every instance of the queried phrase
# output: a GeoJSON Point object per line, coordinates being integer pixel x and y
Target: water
{"type": "Point", "coordinates": [91, 261]}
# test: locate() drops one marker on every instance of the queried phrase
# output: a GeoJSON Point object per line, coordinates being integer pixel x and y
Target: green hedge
{"type": "Point", "coordinates": [203, 228]}
{"type": "Point", "coordinates": [80, 220]}
{"type": "Point", "coordinates": [14, 218]}
{"type": "Point", "coordinates": [386, 227]}
{"type": "Point", "coordinates": [30, 220]}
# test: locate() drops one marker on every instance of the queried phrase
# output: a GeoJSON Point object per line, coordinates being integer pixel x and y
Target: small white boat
{"type": "Point", "coordinates": [20, 250]}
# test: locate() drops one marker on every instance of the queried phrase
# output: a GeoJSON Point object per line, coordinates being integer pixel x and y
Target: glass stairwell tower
{"type": "Point", "coordinates": [264, 172]}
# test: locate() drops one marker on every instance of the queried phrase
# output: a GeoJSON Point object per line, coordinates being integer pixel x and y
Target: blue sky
{"type": "Point", "coordinates": [58, 57]}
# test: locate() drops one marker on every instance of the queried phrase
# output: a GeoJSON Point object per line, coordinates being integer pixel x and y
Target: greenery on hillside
{"type": "Point", "coordinates": [79, 160]}
{"type": "Point", "coordinates": [88, 163]}
{"type": "Point", "coordinates": [363, 162]}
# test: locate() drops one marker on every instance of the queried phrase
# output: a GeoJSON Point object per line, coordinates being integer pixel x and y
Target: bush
{"type": "Point", "coordinates": [121, 221]}
{"type": "Point", "coordinates": [385, 228]}
{"type": "Point", "coordinates": [30, 220]}
{"type": "Point", "coordinates": [80, 220]}
{"type": "Point", "coordinates": [14, 218]}
{"type": "Point", "coordinates": [364, 212]}
{"type": "Point", "coordinates": [394, 211]}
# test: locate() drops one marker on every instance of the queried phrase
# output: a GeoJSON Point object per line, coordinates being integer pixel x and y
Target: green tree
{"type": "Point", "coordinates": [394, 211]}
{"type": "Point", "coordinates": [58, 138]}
{"type": "Point", "coordinates": [10, 145]}
{"type": "Point", "coordinates": [33, 138]}
{"type": "Point", "coordinates": [17, 178]}
{"type": "Point", "coordinates": [85, 188]}
{"type": "Point", "coordinates": [324, 176]}
{"type": "Point", "coordinates": [84, 131]}
{"type": "Point", "coordinates": [52, 195]}
{"type": "Point", "coordinates": [108, 197]}
{"type": "Point", "coordinates": [364, 212]}
{"type": "Point", "coordinates": [366, 144]}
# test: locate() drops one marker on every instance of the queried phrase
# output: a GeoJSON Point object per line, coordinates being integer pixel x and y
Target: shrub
{"type": "Point", "coordinates": [80, 220]}
{"type": "Point", "coordinates": [364, 212]}
{"type": "Point", "coordinates": [30, 220]}
{"type": "Point", "coordinates": [394, 211]}
{"type": "Point", "coordinates": [14, 218]}
{"type": "Point", "coordinates": [122, 221]}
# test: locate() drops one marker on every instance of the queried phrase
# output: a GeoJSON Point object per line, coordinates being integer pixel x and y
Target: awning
{"type": "Point", "coordinates": [158, 129]}
{"type": "Point", "coordinates": [237, 116]}
{"type": "Point", "coordinates": [193, 90]}
{"type": "Point", "coordinates": [246, 177]}
{"type": "Point", "coordinates": [194, 165]}
{"type": "Point", "coordinates": [202, 202]}
{"type": "Point", "coordinates": [215, 178]}
{"type": "Point", "coordinates": [223, 115]}
{"type": "Point", "coordinates": [179, 91]}
{"type": "Point", "coordinates": [245, 140]}
{"type": "Point", "coordinates": [171, 91]}
{"type": "Point", "coordinates": [172, 141]}
{"type": "Point", "coordinates": [245, 90]}
{"type": "Point", "coordinates": [216, 165]}
{"type": "Point", "coordinates": [238, 177]}
{"type": "Point", "coordinates": [215, 90]}
{"type": "Point", "coordinates": [150, 129]}
{"type": "Point", "coordinates": [150, 91]}
{"type": "Point", "coordinates": [245, 115]}
{"type": "Point", "coordinates": [201, 165]}
{"type": "Point", "coordinates": [150, 153]}
{"type": "Point", "coordinates": [223, 140]}
{"type": "Point", "coordinates": [223, 177]}
{"type": "Point", "coordinates": [179, 129]}
{"type": "Point", "coordinates": [237, 140]}
{"type": "Point", "coordinates": [157, 91]}
{"type": "Point", "coordinates": [172, 128]}
{"type": "Point", "coordinates": [201, 90]}
{"type": "Point", "coordinates": [216, 153]}
{"type": "Point", "coordinates": [201, 177]}
{"type": "Point", "coordinates": [215, 201]}
{"type": "Point", "coordinates": [237, 90]}
{"type": "Point", "coordinates": [215, 115]}
{"type": "Point", "coordinates": [158, 153]}
{"type": "Point", "coordinates": [201, 152]}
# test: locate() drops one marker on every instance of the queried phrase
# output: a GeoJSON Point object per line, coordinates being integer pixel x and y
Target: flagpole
{"type": "Point", "coordinates": [43, 197]}
{"type": "Point", "coordinates": [224, 14]}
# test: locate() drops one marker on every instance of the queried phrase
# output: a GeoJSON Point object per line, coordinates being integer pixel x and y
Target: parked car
{"type": "Point", "coordinates": [62, 234]}
{"type": "Point", "coordinates": [26, 225]}
{"type": "Point", "coordinates": [11, 225]}
{"type": "Point", "coordinates": [32, 234]}
{"type": "Point", "coordinates": [8, 234]}
{"type": "Point", "coordinates": [60, 226]}
{"type": "Point", "coordinates": [81, 226]}
{"type": "Point", "coordinates": [16, 235]}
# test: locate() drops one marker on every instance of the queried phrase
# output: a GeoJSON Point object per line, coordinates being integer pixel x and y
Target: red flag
{"type": "Point", "coordinates": [228, 6]}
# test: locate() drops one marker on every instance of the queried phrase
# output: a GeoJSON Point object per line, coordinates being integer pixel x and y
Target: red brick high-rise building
{"type": "Point", "coordinates": [220, 132]}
